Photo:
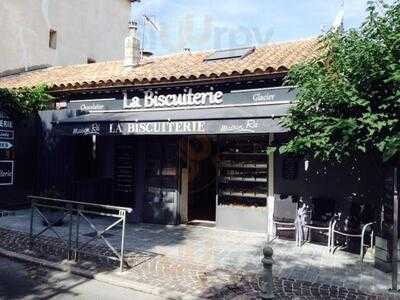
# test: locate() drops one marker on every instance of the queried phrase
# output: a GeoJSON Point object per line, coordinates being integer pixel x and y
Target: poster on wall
{"type": "Point", "coordinates": [6, 172]}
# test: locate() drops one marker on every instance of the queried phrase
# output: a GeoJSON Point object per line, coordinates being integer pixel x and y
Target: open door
{"type": "Point", "coordinates": [202, 178]}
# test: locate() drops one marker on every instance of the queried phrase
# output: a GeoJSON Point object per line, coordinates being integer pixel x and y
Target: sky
{"type": "Point", "coordinates": [220, 24]}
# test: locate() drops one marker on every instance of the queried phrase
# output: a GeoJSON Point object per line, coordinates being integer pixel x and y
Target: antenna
{"type": "Point", "coordinates": [148, 19]}
{"type": "Point", "coordinates": [338, 23]}
{"type": "Point", "coordinates": [143, 37]}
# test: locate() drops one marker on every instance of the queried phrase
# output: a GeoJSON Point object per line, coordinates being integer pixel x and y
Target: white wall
{"type": "Point", "coordinates": [85, 28]}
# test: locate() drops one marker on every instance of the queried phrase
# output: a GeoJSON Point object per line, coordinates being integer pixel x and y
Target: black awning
{"type": "Point", "coordinates": [228, 120]}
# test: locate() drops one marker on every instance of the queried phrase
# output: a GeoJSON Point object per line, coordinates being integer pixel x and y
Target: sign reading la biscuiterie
{"type": "Point", "coordinates": [153, 100]}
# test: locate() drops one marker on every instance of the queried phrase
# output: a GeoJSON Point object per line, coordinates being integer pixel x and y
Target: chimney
{"type": "Point", "coordinates": [132, 46]}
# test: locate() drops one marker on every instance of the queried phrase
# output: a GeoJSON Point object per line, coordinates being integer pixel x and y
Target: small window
{"type": "Point", "coordinates": [230, 53]}
{"type": "Point", "coordinates": [53, 39]}
{"type": "Point", "coordinates": [91, 60]}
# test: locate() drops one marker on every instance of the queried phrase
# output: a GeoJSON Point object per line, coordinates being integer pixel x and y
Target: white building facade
{"type": "Point", "coordinates": [38, 33]}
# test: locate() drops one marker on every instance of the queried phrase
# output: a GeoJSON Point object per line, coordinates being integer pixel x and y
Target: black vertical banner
{"type": "Point", "coordinates": [6, 150]}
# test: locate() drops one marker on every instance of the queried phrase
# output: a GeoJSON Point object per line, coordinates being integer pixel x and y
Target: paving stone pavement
{"type": "Point", "coordinates": [33, 281]}
{"type": "Point", "coordinates": [216, 263]}
{"type": "Point", "coordinates": [161, 271]}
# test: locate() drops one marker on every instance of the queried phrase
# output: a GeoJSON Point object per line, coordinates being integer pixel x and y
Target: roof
{"type": "Point", "coordinates": [268, 59]}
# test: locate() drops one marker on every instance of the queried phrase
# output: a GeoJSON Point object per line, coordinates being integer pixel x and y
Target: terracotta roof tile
{"type": "Point", "coordinates": [182, 66]}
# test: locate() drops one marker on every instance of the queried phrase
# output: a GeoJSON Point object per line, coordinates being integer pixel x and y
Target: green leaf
{"type": "Point", "coordinates": [22, 102]}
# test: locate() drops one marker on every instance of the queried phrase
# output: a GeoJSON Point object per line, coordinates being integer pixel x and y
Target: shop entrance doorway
{"type": "Point", "coordinates": [202, 162]}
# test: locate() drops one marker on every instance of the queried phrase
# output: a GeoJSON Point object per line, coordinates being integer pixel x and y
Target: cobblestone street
{"type": "Point", "coordinates": [212, 263]}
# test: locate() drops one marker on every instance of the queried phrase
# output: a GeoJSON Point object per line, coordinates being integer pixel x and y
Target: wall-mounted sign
{"type": "Point", "coordinates": [174, 127]}
{"type": "Point", "coordinates": [6, 172]}
{"type": "Point", "coordinates": [6, 134]}
{"type": "Point", "coordinates": [152, 100]}
{"type": "Point", "coordinates": [5, 145]}
{"type": "Point", "coordinates": [6, 123]}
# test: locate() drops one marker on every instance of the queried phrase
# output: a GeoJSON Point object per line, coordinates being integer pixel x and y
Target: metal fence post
{"type": "Point", "coordinates": [123, 214]}
{"type": "Point", "coordinates": [70, 231]}
{"type": "Point", "coordinates": [78, 220]}
{"type": "Point", "coordinates": [267, 286]}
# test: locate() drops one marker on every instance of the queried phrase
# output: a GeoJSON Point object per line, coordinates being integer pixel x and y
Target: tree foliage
{"type": "Point", "coordinates": [23, 102]}
{"type": "Point", "coordinates": [348, 100]}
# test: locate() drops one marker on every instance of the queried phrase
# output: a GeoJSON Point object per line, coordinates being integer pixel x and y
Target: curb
{"type": "Point", "coordinates": [111, 278]}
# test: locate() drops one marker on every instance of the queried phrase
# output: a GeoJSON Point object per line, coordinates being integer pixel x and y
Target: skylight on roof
{"type": "Point", "coordinates": [230, 53]}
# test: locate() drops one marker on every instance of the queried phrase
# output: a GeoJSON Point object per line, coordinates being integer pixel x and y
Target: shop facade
{"type": "Point", "coordinates": [195, 154]}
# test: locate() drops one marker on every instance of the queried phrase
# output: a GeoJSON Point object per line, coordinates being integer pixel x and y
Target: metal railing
{"type": "Point", "coordinates": [76, 212]}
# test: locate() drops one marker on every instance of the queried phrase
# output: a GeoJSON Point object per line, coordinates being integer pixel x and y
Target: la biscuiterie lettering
{"type": "Point", "coordinates": [158, 127]}
{"type": "Point", "coordinates": [153, 100]}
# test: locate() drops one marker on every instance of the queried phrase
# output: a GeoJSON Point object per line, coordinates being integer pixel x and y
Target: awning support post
{"type": "Point", "coordinates": [271, 197]}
